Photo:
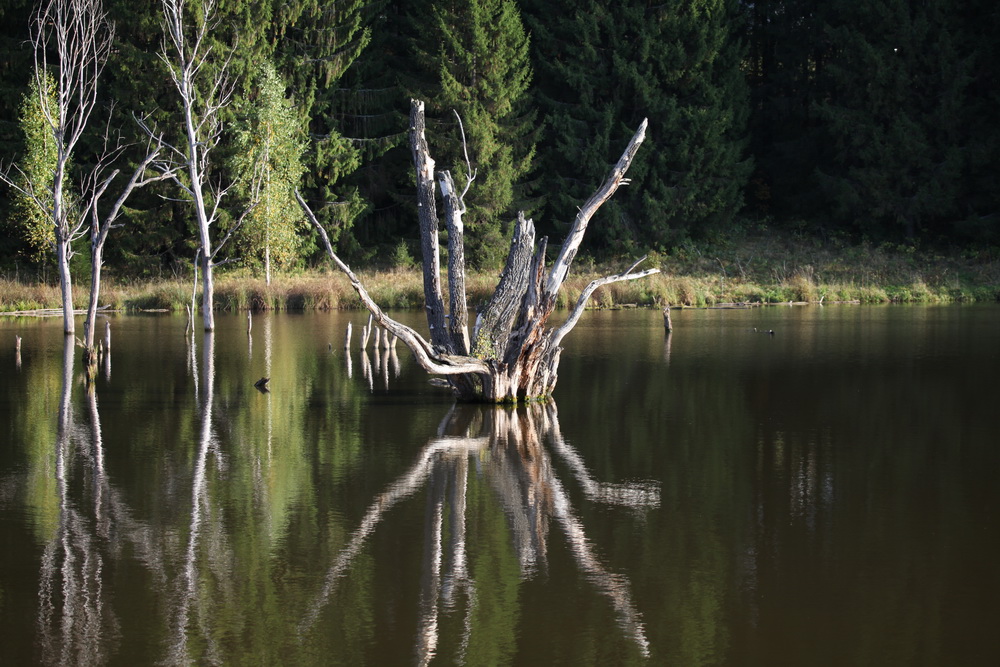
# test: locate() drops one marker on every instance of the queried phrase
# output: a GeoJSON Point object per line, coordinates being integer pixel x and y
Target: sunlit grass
{"type": "Point", "coordinates": [764, 269]}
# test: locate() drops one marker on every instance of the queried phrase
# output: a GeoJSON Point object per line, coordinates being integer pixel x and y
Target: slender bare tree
{"type": "Point", "coordinates": [95, 186]}
{"type": "Point", "coordinates": [71, 41]}
{"type": "Point", "coordinates": [201, 77]}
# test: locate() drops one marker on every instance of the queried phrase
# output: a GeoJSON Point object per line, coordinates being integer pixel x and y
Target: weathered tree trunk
{"type": "Point", "coordinates": [512, 356]}
{"type": "Point", "coordinates": [65, 282]}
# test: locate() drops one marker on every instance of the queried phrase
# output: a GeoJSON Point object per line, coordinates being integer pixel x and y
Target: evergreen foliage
{"type": "Point", "coordinates": [846, 119]}
{"type": "Point", "coordinates": [603, 68]}
{"type": "Point", "coordinates": [483, 74]}
{"type": "Point", "coordinates": [900, 147]}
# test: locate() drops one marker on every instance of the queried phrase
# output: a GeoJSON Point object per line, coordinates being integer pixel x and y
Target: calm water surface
{"type": "Point", "coordinates": [826, 495]}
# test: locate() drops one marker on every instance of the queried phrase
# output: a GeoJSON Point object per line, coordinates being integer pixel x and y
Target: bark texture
{"type": "Point", "coordinates": [512, 354]}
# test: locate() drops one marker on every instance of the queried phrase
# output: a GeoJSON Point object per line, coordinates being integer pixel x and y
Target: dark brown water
{"type": "Point", "coordinates": [824, 496]}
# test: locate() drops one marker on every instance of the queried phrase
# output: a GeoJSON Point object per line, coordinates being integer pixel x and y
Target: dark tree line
{"type": "Point", "coordinates": [873, 119]}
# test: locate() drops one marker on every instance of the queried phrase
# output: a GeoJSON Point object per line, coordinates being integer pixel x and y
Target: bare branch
{"type": "Point", "coordinates": [428, 358]}
{"type": "Point", "coordinates": [427, 215]}
{"type": "Point", "coordinates": [581, 303]}
{"type": "Point", "coordinates": [572, 244]}
{"type": "Point", "coordinates": [470, 173]}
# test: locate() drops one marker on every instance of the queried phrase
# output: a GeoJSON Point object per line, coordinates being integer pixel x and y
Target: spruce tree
{"type": "Point", "coordinates": [603, 69]}
{"type": "Point", "coordinates": [786, 67]}
{"type": "Point", "coordinates": [372, 108]}
{"type": "Point", "coordinates": [483, 74]}
{"type": "Point", "coordinates": [979, 217]}
{"type": "Point", "coordinates": [896, 117]}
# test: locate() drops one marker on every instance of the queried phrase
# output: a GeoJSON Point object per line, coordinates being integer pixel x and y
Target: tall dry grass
{"type": "Point", "coordinates": [763, 269]}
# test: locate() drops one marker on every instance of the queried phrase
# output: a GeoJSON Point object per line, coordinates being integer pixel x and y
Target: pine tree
{"type": "Point", "coordinates": [603, 69]}
{"type": "Point", "coordinates": [373, 109]}
{"type": "Point", "coordinates": [315, 47]}
{"type": "Point", "coordinates": [786, 67]}
{"type": "Point", "coordinates": [979, 220]}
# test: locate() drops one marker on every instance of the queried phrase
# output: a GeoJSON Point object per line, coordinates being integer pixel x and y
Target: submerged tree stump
{"type": "Point", "coordinates": [510, 355]}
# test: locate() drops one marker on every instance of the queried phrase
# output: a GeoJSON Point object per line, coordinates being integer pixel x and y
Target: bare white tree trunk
{"type": "Point", "coordinates": [63, 255]}
{"type": "Point", "coordinates": [512, 356]}
{"type": "Point", "coordinates": [267, 265]}
{"type": "Point", "coordinates": [102, 224]}
{"type": "Point", "coordinates": [186, 54]}
{"type": "Point", "coordinates": [71, 40]}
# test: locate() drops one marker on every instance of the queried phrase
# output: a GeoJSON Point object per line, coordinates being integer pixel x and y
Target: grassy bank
{"type": "Point", "coordinates": [762, 269]}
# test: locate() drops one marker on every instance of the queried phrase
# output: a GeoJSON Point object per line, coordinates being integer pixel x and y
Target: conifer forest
{"type": "Point", "coordinates": [874, 120]}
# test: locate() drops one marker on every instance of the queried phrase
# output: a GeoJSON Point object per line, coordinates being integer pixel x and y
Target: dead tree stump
{"type": "Point", "coordinates": [511, 354]}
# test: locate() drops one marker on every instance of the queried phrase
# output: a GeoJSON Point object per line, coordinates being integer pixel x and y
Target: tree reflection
{"type": "Point", "coordinates": [504, 446]}
{"type": "Point", "coordinates": [190, 601]}
{"type": "Point", "coordinates": [75, 621]}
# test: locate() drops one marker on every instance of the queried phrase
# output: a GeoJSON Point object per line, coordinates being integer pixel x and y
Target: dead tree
{"type": "Point", "coordinates": [71, 40]}
{"type": "Point", "coordinates": [95, 186]}
{"type": "Point", "coordinates": [204, 93]}
{"type": "Point", "coordinates": [511, 354]}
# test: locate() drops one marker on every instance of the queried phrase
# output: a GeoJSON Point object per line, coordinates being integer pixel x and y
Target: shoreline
{"type": "Point", "coordinates": [751, 270]}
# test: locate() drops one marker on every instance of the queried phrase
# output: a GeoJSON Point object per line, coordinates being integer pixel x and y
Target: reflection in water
{"type": "Point", "coordinates": [147, 524]}
{"type": "Point", "coordinates": [200, 507]}
{"type": "Point", "coordinates": [385, 360]}
{"type": "Point", "coordinates": [75, 622]}
{"type": "Point", "coordinates": [505, 447]}
{"type": "Point", "coordinates": [366, 370]}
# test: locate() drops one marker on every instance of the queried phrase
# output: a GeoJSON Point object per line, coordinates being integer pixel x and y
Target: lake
{"type": "Point", "coordinates": [823, 495]}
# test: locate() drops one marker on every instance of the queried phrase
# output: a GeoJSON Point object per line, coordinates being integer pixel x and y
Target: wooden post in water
{"type": "Point", "coordinates": [365, 333]}
{"type": "Point", "coordinates": [249, 320]}
{"type": "Point", "coordinates": [347, 337]}
{"type": "Point", "coordinates": [107, 336]}
{"type": "Point", "coordinates": [667, 326]}
{"type": "Point", "coordinates": [17, 351]}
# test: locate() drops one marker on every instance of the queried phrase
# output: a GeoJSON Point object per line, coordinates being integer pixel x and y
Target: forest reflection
{"type": "Point", "coordinates": [171, 513]}
{"type": "Point", "coordinates": [196, 559]}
